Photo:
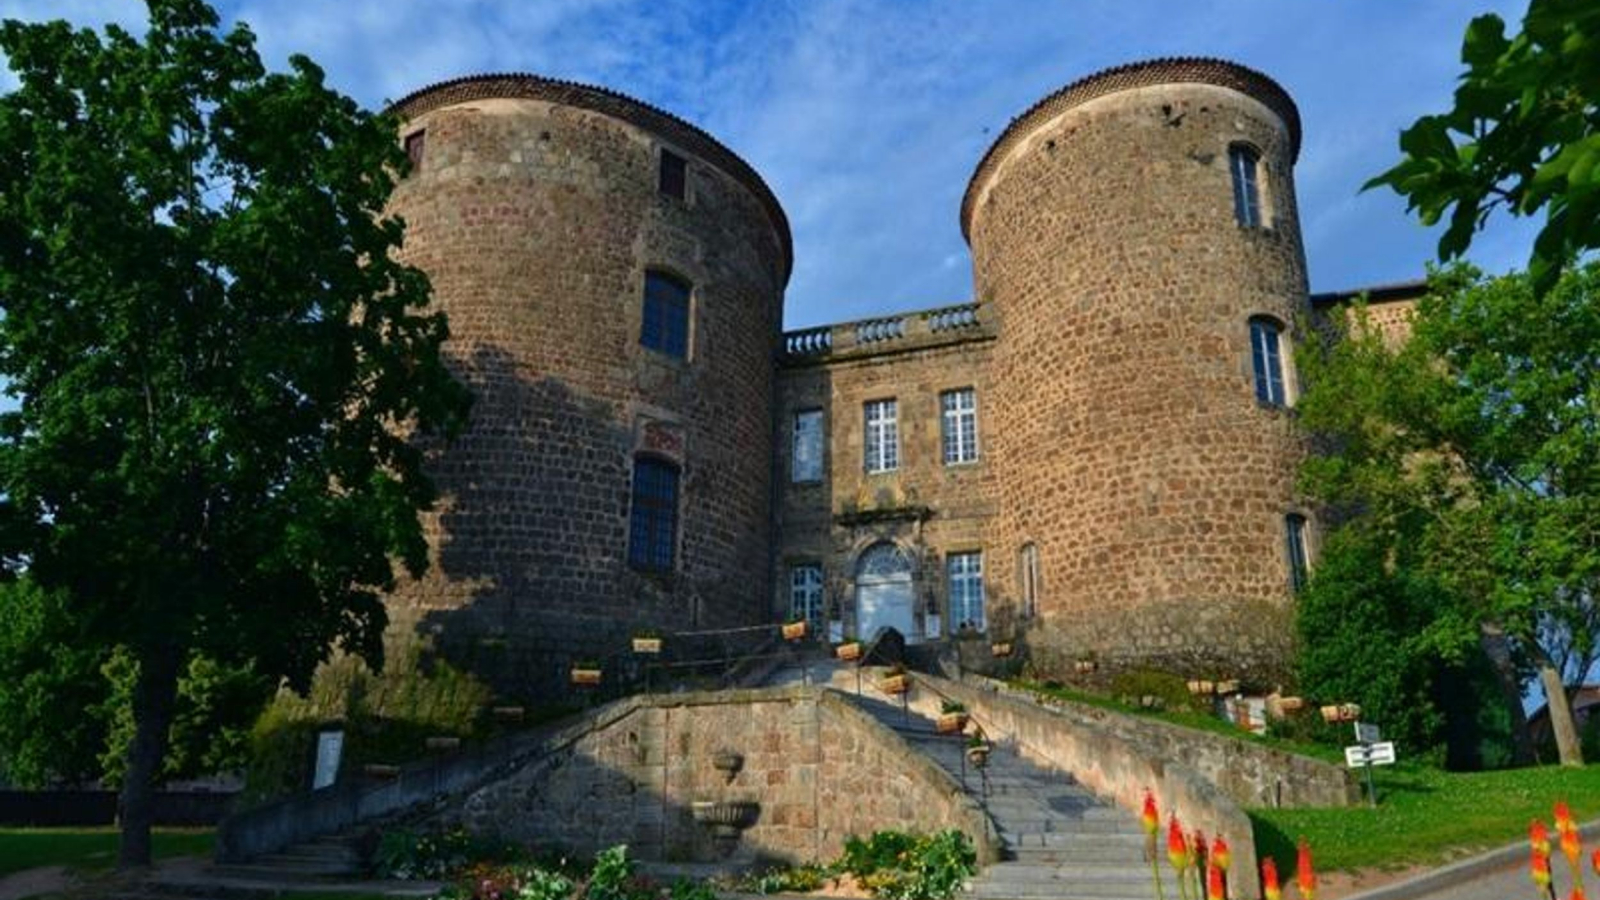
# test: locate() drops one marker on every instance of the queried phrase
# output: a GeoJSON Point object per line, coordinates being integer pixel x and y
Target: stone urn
{"type": "Point", "coordinates": [726, 819]}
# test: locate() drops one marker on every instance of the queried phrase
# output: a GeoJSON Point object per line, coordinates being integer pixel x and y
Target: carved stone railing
{"type": "Point", "coordinates": [907, 331]}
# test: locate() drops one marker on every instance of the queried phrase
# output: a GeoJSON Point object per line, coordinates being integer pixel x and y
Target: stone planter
{"type": "Point", "coordinates": [794, 631]}
{"type": "Point", "coordinates": [895, 684]}
{"type": "Point", "coordinates": [950, 723]}
{"type": "Point", "coordinates": [647, 645]}
{"type": "Point", "coordinates": [585, 676]}
{"type": "Point", "coordinates": [1342, 712]}
{"type": "Point", "coordinates": [728, 763]}
{"type": "Point", "coordinates": [978, 755]}
{"type": "Point", "coordinates": [1287, 705]}
{"type": "Point", "coordinates": [1001, 648]}
{"type": "Point", "coordinates": [848, 651]}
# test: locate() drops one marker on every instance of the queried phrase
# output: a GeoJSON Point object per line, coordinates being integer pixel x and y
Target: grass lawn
{"type": "Point", "coordinates": [1427, 816]}
{"type": "Point", "coordinates": [88, 848]}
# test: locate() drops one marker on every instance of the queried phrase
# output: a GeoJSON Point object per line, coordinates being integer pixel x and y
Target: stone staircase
{"type": "Point", "coordinates": [1059, 842]}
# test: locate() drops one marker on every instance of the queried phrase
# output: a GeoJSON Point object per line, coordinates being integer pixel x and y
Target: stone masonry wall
{"type": "Point", "coordinates": [818, 769]}
{"type": "Point", "coordinates": [928, 508]}
{"type": "Point", "coordinates": [1132, 450]}
{"type": "Point", "coordinates": [536, 215]}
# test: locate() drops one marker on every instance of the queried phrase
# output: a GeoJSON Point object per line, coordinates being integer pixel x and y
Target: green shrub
{"type": "Point", "coordinates": [1171, 691]}
{"type": "Point", "coordinates": [898, 866]}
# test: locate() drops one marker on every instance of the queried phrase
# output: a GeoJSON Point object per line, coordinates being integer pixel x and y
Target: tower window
{"type": "Point", "coordinates": [1294, 530]}
{"type": "Point", "coordinates": [805, 593]}
{"type": "Point", "coordinates": [883, 436]}
{"type": "Point", "coordinates": [1028, 562]}
{"type": "Point", "coordinates": [1244, 164]}
{"type": "Point", "coordinates": [960, 426]}
{"type": "Point", "coordinates": [672, 178]}
{"type": "Point", "coordinates": [416, 142]}
{"type": "Point", "coordinates": [653, 520]}
{"type": "Point", "coordinates": [666, 315]}
{"type": "Point", "coordinates": [964, 576]}
{"type": "Point", "coordinates": [1266, 360]}
{"type": "Point", "coordinates": [806, 462]}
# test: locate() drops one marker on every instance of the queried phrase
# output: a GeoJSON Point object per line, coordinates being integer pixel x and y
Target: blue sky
{"type": "Point", "coordinates": [867, 116]}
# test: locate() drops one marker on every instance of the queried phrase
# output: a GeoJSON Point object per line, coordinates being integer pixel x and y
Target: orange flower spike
{"type": "Point", "coordinates": [1563, 816]}
{"type": "Point", "coordinates": [1571, 845]}
{"type": "Point", "coordinates": [1305, 878]}
{"type": "Point", "coordinates": [1539, 837]}
{"type": "Point", "coordinates": [1149, 818]}
{"type": "Point", "coordinates": [1177, 850]}
{"type": "Point", "coordinates": [1213, 882]}
{"type": "Point", "coordinates": [1270, 889]}
{"type": "Point", "coordinates": [1594, 861]}
{"type": "Point", "coordinates": [1221, 854]}
{"type": "Point", "coordinates": [1539, 869]}
{"type": "Point", "coordinates": [1577, 893]}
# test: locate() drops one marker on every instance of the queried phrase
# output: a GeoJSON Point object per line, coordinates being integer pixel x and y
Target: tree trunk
{"type": "Point", "coordinates": [1568, 748]}
{"type": "Point", "coordinates": [154, 697]}
{"type": "Point", "coordinates": [1498, 648]}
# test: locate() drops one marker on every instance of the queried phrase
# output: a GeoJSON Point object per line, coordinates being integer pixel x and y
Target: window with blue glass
{"type": "Point", "coordinates": [653, 519]}
{"type": "Point", "coordinates": [964, 576]}
{"type": "Point", "coordinates": [666, 314]}
{"type": "Point", "coordinates": [1244, 163]}
{"type": "Point", "coordinates": [1266, 359]}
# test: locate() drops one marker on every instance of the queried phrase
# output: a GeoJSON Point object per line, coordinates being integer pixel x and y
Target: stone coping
{"type": "Point", "coordinates": [1166, 70]}
{"type": "Point", "coordinates": [617, 105]}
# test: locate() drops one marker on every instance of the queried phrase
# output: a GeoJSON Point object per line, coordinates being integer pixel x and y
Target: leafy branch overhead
{"type": "Point", "coordinates": [1523, 136]}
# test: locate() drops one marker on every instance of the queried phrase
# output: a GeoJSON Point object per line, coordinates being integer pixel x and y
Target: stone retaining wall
{"type": "Point", "coordinates": [817, 768]}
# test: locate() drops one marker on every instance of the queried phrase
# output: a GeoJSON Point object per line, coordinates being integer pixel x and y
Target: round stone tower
{"type": "Point", "coordinates": [613, 277]}
{"type": "Point", "coordinates": [1136, 232]}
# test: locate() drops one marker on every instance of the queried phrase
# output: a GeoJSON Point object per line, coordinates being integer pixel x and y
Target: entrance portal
{"type": "Point", "coordinates": [884, 597]}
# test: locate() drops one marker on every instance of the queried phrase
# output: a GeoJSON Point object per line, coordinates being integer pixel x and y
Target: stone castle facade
{"type": "Point", "coordinates": [1095, 457]}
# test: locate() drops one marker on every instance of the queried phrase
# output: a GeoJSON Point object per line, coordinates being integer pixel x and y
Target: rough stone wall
{"type": "Point", "coordinates": [819, 770]}
{"type": "Point", "coordinates": [1131, 447]}
{"type": "Point", "coordinates": [536, 221]}
{"type": "Point", "coordinates": [925, 506]}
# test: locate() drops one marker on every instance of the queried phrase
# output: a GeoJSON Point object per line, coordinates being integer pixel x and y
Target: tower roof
{"type": "Point", "coordinates": [1166, 70]}
{"type": "Point", "coordinates": [689, 137]}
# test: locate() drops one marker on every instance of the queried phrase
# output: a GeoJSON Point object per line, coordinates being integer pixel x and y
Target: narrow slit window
{"type": "Point", "coordinates": [673, 177]}
{"type": "Point", "coordinates": [806, 464]}
{"type": "Point", "coordinates": [1266, 361]}
{"type": "Point", "coordinates": [1294, 527]}
{"type": "Point", "coordinates": [416, 143]}
{"type": "Point", "coordinates": [1245, 164]}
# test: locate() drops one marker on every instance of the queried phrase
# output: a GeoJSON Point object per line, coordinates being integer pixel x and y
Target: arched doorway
{"type": "Point", "coordinates": [884, 595]}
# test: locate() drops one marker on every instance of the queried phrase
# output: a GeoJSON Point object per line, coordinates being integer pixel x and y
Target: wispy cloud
{"type": "Point", "coordinates": [867, 116]}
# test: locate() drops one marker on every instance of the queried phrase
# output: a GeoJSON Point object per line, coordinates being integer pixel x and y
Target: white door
{"type": "Point", "coordinates": [884, 595]}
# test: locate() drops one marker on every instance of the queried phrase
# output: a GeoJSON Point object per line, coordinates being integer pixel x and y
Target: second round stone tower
{"type": "Point", "coordinates": [613, 277]}
{"type": "Point", "coordinates": [1136, 232]}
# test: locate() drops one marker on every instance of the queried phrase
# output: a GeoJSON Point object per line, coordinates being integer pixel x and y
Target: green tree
{"type": "Point", "coordinates": [218, 362]}
{"type": "Point", "coordinates": [1524, 135]}
{"type": "Point", "coordinates": [1474, 447]}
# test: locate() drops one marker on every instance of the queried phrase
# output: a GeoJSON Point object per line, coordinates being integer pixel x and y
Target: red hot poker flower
{"type": "Point", "coordinates": [1213, 882]}
{"type": "Point", "coordinates": [1149, 818]}
{"type": "Point", "coordinates": [1269, 880]}
{"type": "Point", "coordinates": [1577, 893]}
{"type": "Point", "coordinates": [1304, 877]}
{"type": "Point", "coordinates": [1177, 850]}
{"type": "Point", "coordinates": [1563, 816]}
{"type": "Point", "coordinates": [1571, 846]}
{"type": "Point", "coordinates": [1594, 861]}
{"type": "Point", "coordinates": [1221, 854]}
{"type": "Point", "coordinates": [1539, 869]}
{"type": "Point", "coordinates": [1539, 837]}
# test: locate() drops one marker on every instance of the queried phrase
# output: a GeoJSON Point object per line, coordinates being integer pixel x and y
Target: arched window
{"type": "Point", "coordinates": [1266, 361]}
{"type": "Point", "coordinates": [1244, 164]}
{"type": "Point", "coordinates": [666, 314]}
{"type": "Point", "coordinates": [653, 519]}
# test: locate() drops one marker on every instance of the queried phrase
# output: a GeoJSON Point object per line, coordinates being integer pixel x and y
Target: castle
{"type": "Point", "coordinates": [1096, 456]}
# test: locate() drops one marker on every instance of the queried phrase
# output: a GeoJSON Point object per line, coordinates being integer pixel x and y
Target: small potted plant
{"type": "Point", "coordinates": [1200, 686]}
{"type": "Point", "coordinates": [1291, 704]}
{"type": "Point", "coordinates": [849, 649]}
{"type": "Point", "coordinates": [979, 748]}
{"type": "Point", "coordinates": [647, 640]}
{"type": "Point", "coordinates": [585, 672]}
{"type": "Point", "coordinates": [1001, 649]}
{"type": "Point", "coordinates": [794, 629]}
{"type": "Point", "coordinates": [952, 718]}
{"type": "Point", "coordinates": [1084, 666]}
{"type": "Point", "coordinates": [895, 680]}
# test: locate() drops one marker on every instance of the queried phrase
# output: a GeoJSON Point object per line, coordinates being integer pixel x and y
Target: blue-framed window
{"type": "Point", "coordinates": [1244, 163]}
{"type": "Point", "coordinates": [1266, 360]}
{"type": "Point", "coordinates": [653, 518]}
{"type": "Point", "coordinates": [666, 314]}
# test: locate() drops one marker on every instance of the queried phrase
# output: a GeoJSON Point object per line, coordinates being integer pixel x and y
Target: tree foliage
{"type": "Point", "coordinates": [1524, 135]}
{"type": "Point", "coordinates": [217, 359]}
{"type": "Point", "coordinates": [1472, 450]}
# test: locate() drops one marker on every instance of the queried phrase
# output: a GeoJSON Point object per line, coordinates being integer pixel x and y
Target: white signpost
{"type": "Point", "coordinates": [1369, 751]}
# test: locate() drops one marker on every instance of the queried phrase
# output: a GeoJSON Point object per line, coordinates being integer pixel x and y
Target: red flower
{"type": "Point", "coordinates": [1539, 869]}
{"type": "Point", "coordinates": [1571, 844]}
{"type": "Point", "coordinates": [1305, 878]}
{"type": "Point", "coordinates": [1177, 850]}
{"type": "Point", "coordinates": [1595, 862]}
{"type": "Point", "coordinates": [1539, 837]}
{"type": "Point", "coordinates": [1220, 854]}
{"type": "Point", "coordinates": [1149, 818]}
{"type": "Point", "coordinates": [1213, 882]}
{"type": "Point", "coordinates": [1577, 893]}
{"type": "Point", "coordinates": [1563, 816]}
{"type": "Point", "coordinates": [1269, 880]}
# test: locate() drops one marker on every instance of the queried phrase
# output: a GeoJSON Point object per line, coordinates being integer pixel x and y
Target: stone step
{"type": "Point", "coordinates": [1070, 825]}
{"type": "Point", "coordinates": [1093, 849]}
{"type": "Point", "coordinates": [1051, 889]}
{"type": "Point", "coordinates": [1050, 840]}
{"type": "Point", "coordinates": [1017, 872]}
